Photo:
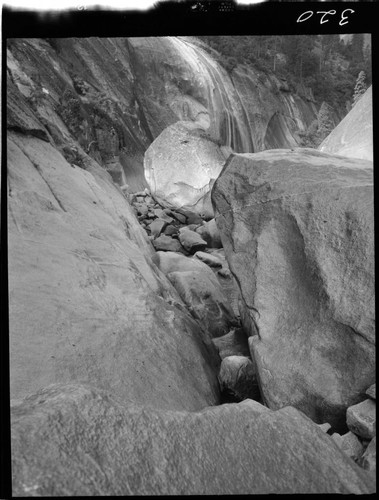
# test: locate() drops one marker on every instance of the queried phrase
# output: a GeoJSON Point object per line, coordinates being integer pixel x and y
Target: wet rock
{"type": "Point", "coordinates": [371, 391]}
{"type": "Point", "coordinates": [298, 232]}
{"type": "Point", "coordinates": [204, 297]}
{"type": "Point", "coordinates": [237, 379]}
{"type": "Point", "coordinates": [157, 226]}
{"type": "Point", "coordinates": [87, 443]}
{"type": "Point", "coordinates": [368, 459]}
{"type": "Point", "coordinates": [191, 241]}
{"type": "Point", "coordinates": [361, 419]}
{"type": "Point", "coordinates": [167, 244]}
{"type": "Point", "coordinates": [208, 259]}
{"type": "Point", "coordinates": [210, 233]}
{"type": "Point", "coordinates": [349, 444]}
{"type": "Point", "coordinates": [353, 136]}
{"type": "Point", "coordinates": [234, 343]}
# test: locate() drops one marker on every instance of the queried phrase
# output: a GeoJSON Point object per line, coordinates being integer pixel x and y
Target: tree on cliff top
{"type": "Point", "coordinates": [325, 121]}
{"type": "Point", "coordinates": [360, 87]}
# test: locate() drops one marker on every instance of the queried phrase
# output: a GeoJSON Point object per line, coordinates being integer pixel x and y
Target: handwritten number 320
{"type": "Point", "coordinates": [309, 14]}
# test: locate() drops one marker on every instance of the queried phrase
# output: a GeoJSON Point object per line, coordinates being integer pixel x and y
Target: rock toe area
{"type": "Point", "coordinates": [103, 447]}
{"type": "Point", "coordinates": [298, 233]}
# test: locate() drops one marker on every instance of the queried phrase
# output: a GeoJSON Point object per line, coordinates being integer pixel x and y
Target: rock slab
{"type": "Point", "coordinates": [86, 302]}
{"type": "Point", "coordinates": [353, 136]}
{"type": "Point", "coordinates": [298, 233]}
{"type": "Point", "coordinates": [73, 440]}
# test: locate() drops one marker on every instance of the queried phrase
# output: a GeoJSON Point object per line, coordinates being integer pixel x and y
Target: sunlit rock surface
{"type": "Point", "coordinates": [71, 440]}
{"type": "Point", "coordinates": [182, 163]}
{"type": "Point", "coordinates": [86, 302]}
{"type": "Point", "coordinates": [298, 232]}
{"type": "Point", "coordinates": [353, 136]}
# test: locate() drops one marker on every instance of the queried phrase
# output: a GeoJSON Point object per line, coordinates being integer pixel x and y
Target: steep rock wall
{"type": "Point", "coordinates": [114, 96]}
{"type": "Point", "coordinates": [86, 302]}
{"type": "Point", "coordinates": [353, 136]}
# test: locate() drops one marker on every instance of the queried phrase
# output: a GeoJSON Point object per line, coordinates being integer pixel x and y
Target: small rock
{"type": "Point", "coordinates": [140, 194]}
{"type": "Point", "coordinates": [210, 233]}
{"type": "Point", "coordinates": [142, 208]}
{"type": "Point", "coordinates": [193, 227]}
{"type": "Point", "coordinates": [361, 419]}
{"type": "Point", "coordinates": [349, 444]}
{"type": "Point", "coordinates": [140, 199]}
{"type": "Point", "coordinates": [237, 379]}
{"type": "Point", "coordinates": [233, 343]}
{"type": "Point", "coordinates": [171, 230]}
{"type": "Point", "coordinates": [208, 259]}
{"type": "Point", "coordinates": [203, 295]}
{"type": "Point", "coordinates": [157, 227]}
{"type": "Point", "coordinates": [158, 212]}
{"type": "Point", "coordinates": [192, 217]}
{"type": "Point", "coordinates": [224, 272]}
{"type": "Point", "coordinates": [167, 244]}
{"type": "Point", "coordinates": [371, 391]}
{"type": "Point", "coordinates": [191, 241]}
{"type": "Point", "coordinates": [180, 217]}
{"type": "Point", "coordinates": [325, 427]}
{"type": "Point", "coordinates": [368, 459]}
{"type": "Point", "coordinates": [169, 262]}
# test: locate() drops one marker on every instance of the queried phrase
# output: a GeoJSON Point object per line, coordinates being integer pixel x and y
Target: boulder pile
{"type": "Point", "coordinates": [360, 442]}
{"type": "Point", "coordinates": [189, 252]}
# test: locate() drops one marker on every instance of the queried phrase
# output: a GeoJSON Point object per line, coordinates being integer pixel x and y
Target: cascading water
{"type": "Point", "coordinates": [227, 118]}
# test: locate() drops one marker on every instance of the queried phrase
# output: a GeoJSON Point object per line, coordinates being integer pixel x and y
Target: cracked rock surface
{"type": "Point", "coordinates": [298, 233]}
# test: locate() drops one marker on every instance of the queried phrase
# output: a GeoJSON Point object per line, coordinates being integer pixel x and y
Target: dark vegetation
{"type": "Point", "coordinates": [327, 64]}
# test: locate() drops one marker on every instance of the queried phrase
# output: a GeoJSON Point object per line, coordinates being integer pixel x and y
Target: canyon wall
{"type": "Point", "coordinates": [112, 97]}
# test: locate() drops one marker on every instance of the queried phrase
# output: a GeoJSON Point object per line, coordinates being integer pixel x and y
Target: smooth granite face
{"type": "Point", "coordinates": [298, 233]}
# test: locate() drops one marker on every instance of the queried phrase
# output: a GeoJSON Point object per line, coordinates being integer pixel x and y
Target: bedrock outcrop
{"type": "Point", "coordinates": [86, 302]}
{"type": "Point", "coordinates": [298, 232]}
{"type": "Point", "coordinates": [115, 96]}
{"type": "Point", "coordinates": [99, 446]}
{"type": "Point", "coordinates": [353, 136]}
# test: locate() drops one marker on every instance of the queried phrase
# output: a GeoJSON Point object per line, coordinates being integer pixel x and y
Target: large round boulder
{"type": "Point", "coordinates": [181, 164]}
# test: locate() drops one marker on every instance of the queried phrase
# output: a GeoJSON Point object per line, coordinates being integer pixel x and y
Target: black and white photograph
{"type": "Point", "coordinates": [187, 248]}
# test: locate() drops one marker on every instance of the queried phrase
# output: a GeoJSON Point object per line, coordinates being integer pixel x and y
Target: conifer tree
{"type": "Point", "coordinates": [360, 87]}
{"type": "Point", "coordinates": [325, 121]}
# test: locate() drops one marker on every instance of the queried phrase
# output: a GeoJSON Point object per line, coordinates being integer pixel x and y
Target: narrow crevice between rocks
{"type": "Point", "coordinates": [184, 232]}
